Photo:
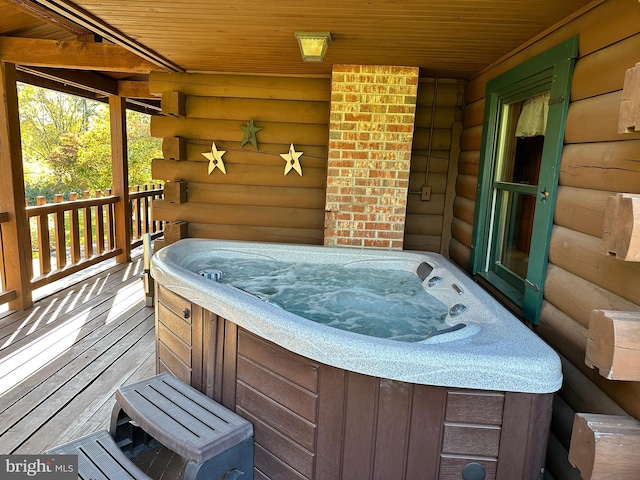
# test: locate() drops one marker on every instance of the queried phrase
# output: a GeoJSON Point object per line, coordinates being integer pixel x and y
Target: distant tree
{"type": "Point", "coordinates": [66, 144]}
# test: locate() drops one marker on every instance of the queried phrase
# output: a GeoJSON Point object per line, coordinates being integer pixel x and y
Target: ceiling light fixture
{"type": "Point", "coordinates": [313, 45]}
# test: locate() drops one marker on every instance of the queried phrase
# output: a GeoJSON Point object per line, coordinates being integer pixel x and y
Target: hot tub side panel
{"type": "Point", "coordinates": [319, 422]}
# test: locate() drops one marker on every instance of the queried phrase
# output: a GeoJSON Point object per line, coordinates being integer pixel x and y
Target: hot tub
{"type": "Point", "coordinates": [329, 403]}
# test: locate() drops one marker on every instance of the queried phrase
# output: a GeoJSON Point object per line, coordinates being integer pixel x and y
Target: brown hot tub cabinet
{"type": "Point", "coordinates": [316, 421]}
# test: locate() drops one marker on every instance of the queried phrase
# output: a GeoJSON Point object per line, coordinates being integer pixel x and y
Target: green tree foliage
{"type": "Point", "coordinates": [66, 144]}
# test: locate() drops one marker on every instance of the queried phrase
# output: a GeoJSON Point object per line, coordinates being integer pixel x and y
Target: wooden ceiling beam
{"type": "Point", "coordinates": [73, 55]}
{"type": "Point", "coordinates": [151, 107]}
{"type": "Point", "coordinates": [84, 80]}
{"type": "Point", "coordinates": [143, 105]}
{"type": "Point", "coordinates": [52, 17]}
{"type": "Point", "coordinates": [70, 10]}
{"type": "Point", "coordinates": [31, 79]}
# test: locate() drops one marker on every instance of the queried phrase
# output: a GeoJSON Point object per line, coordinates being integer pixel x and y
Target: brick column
{"type": "Point", "coordinates": [371, 132]}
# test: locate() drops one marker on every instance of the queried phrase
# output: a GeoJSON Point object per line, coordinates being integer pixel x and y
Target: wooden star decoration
{"type": "Point", "coordinates": [250, 131]}
{"type": "Point", "coordinates": [293, 160]}
{"type": "Point", "coordinates": [215, 159]}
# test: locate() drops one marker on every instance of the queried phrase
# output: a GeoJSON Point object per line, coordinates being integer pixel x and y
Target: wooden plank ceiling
{"type": "Point", "coordinates": [448, 38]}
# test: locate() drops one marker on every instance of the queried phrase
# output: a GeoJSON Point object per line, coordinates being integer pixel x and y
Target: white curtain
{"type": "Point", "coordinates": [533, 118]}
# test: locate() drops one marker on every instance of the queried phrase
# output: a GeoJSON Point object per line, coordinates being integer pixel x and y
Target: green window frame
{"type": "Point", "coordinates": [550, 71]}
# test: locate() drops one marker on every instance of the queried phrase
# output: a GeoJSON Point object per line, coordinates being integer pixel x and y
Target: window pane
{"type": "Point", "coordinates": [515, 223]}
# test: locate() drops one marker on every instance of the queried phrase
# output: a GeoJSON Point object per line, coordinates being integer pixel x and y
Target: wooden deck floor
{"type": "Point", "coordinates": [61, 361]}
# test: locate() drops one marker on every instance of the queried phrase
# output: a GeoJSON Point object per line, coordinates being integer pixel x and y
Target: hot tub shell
{"type": "Point", "coordinates": [329, 404]}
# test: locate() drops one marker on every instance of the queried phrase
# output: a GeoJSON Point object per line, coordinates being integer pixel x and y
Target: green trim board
{"type": "Point", "coordinates": [550, 71]}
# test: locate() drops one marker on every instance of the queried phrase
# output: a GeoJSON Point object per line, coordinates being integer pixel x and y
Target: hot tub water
{"type": "Point", "coordinates": [388, 303]}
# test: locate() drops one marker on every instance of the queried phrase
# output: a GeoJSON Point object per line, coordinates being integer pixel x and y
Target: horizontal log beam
{"type": "Point", "coordinates": [283, 88]}
{"type": "Point", "coordinates": [238, 174]}
{"type": "Point", "coordinates": [256, 233]}
{"type": "Point", "coordinates": [613, 344]}
{"type": "Point", "coordinates": [74, 55]}
{"type": "Point", "coordinates": [135, 89]}
{"type": "Point", "coordinates": [238, 215]}
{"type": "Point", "coordinates": [605, 446]}
{"type": "Point", "coordinates": [580, 254]}
{"type": "Point", "coordinates": [596, 119]}
{"type": "Point", "coordinates": [581, 209]}
{"type": "Point", "coordinates": [229, 130]}
{"type": "Point", "coordinates": [262, 195]}
{"type": "Point", "coordinates": [602, 165]}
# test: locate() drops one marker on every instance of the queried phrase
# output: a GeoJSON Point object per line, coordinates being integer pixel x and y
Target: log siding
{"type": "Point", "coordinates": [255, 200]}
{"type": "Point", "coordinates": [597, 162]}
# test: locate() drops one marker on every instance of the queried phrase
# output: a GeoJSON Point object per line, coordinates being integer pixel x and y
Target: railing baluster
{"type": "Point", "coordinates": [137, 220]}
{"type": "Point", "coordinates": [145, 212]}
{"type": "Point", "coordinates": [99, 225]}
{"type": "Point", "coordinates": [58, 226]}
{"type": "Point", "coordinates": [44, 248]}
{"type": "Point", "coordinates": [154, 223]}
{"type": "Point", "coordinates": [88, 228]}
{"type": "Point", "coordinates": [74, 230]}
{"type": "Point", "coordinates": [111, 237]}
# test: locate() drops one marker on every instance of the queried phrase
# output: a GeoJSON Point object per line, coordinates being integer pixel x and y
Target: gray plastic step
{"type": "Point", "coordinates": [181, 418]}
{"type": "Point", "coordinates": [99, 458]}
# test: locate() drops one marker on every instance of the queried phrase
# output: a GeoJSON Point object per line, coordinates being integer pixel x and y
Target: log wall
{"type": "Point", "coordinates": [431, 149]}
{"type": "Point", "coordinates": [597, 162]}
{"type": "Point", "coordinates": [255, 200]}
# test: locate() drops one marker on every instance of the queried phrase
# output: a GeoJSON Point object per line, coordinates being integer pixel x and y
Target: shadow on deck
{"type": "Point", "coordinates": [62, 360]}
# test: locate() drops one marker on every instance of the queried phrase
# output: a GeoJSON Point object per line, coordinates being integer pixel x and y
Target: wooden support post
{"type": "Point", "coordinates": [173, 103]}
{"type": "Point", "coordinates": [621, 230]}
{"type": "Point", "coordinates": [175, 191]}
{"type": "Point", "coordinates": [174, 231]}
{"type": "Point", "coordinates": [613, 345]}
{"type": "Point", "coordinates": [120, 172]}
{"type": "Point", "coordinates": [605, 446]}
{"type": "Point", "coordinates": [15, 232]}
{"type": "Point", "coordinates": [174, 148]}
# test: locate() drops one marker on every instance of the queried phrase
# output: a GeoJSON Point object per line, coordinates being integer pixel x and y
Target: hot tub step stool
{"type": "Point", "coordinates": [99, 458]}
{"type": "Point", "coordinates": [215, 441]}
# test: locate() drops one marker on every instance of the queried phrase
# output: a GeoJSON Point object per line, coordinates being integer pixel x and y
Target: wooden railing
{"type": "Point", "coordinates": [141, 213]}
{"type": "Point", "coordinates": [79, 233]}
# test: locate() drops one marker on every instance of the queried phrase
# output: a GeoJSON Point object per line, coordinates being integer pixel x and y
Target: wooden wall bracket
{"type": "Point", "coordinates": [174, 148]}
{"type": "Point", "coordinates": [174, 104]}
{"type": "Point", "coordinates": [175, 191]}
{"type": "Point", "coordinates": [621, 230]}
{"type": "Point", "coordinates": [605, 446]}
{"type": "Point", "coordinates": [174, 231]}
{"type": "Point", "coordinates": [629, 120]}
{"type": "Point", "coordinates": [613, 344]}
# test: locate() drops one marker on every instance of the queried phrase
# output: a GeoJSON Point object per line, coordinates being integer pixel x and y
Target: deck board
{"type": "Point", "coordinates": [62, 360]}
